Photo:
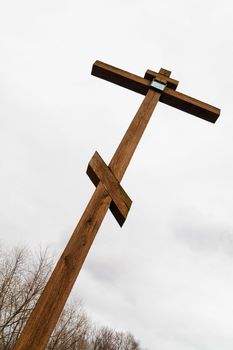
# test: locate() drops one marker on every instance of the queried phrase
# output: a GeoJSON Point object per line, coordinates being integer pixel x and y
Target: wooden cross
{"type": "Point", "coordinates": [108, 194]}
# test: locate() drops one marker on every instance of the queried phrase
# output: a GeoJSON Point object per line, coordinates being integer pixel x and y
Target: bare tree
{"type": "Point", "coordinates": [72, 330]}
{"type": "Point", "coordinates": [22, 279]}
{"type": "Point", "coordinates": [108, 339]}
{"type": "Point", "coordinates": [129, 342]}
{"type": "Point", "coordinates": [103, 339]}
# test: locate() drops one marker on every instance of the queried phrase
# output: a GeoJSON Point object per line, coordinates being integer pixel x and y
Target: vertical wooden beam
{"type": "Point", "coordinates": [43, 318]}
{"type": "Point", "coordinates": [128, 144]}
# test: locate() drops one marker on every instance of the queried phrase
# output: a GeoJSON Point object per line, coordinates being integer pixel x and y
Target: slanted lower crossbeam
{"type": "Point", "coordinates": [98, 171]}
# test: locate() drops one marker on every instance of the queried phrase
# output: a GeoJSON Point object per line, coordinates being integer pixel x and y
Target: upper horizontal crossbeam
{"type": "Point", "coordinates": [171, 83]}
{"type": "Point", "coordinates": [169, 96]}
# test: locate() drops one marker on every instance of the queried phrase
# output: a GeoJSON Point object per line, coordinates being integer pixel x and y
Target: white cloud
{"type": "Point", "coordinates": [166, 276]}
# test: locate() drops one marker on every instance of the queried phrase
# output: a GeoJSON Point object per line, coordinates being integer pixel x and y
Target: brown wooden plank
{"type": "Point", "coordinates": [98, 171]}
{"type": "Point", "coordinates": [169, 96]}
{"type": "Point", "coordinates": [129, 142]}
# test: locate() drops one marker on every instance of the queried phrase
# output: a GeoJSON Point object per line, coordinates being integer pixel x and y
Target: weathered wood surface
{"type": "Point", "coordinates": [98, 171]}
{"type": "Point", "coordinates": [169, 96]}
{"type": "Point", "coordinates": [43, 319]}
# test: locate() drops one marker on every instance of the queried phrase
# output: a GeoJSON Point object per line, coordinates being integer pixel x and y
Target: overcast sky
{"type": "Point", "coordinates": [167, 275]}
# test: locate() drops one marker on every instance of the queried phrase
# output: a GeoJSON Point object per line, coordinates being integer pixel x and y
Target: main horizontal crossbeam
{"type": "Point", "coordinates": [169, 96]}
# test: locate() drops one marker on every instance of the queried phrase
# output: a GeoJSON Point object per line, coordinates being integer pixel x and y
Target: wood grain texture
{"type": "Point", "coordinates": [98, 171]}
{"type": "Point", "coordinates": [43, 318]}
{"type": "Point", "coordinates": [169, 96]}
{"type": "Point", "coordinates": [129, 142]}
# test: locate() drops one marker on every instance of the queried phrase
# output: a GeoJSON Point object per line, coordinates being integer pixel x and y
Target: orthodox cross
{"type": "Point", "coordinates": [108, 194]}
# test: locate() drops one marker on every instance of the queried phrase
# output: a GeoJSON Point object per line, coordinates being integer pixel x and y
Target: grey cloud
{"type": "Point", "coordinates": [105, 271]}
{"type": "Point", "coordinates": [204, 238]}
